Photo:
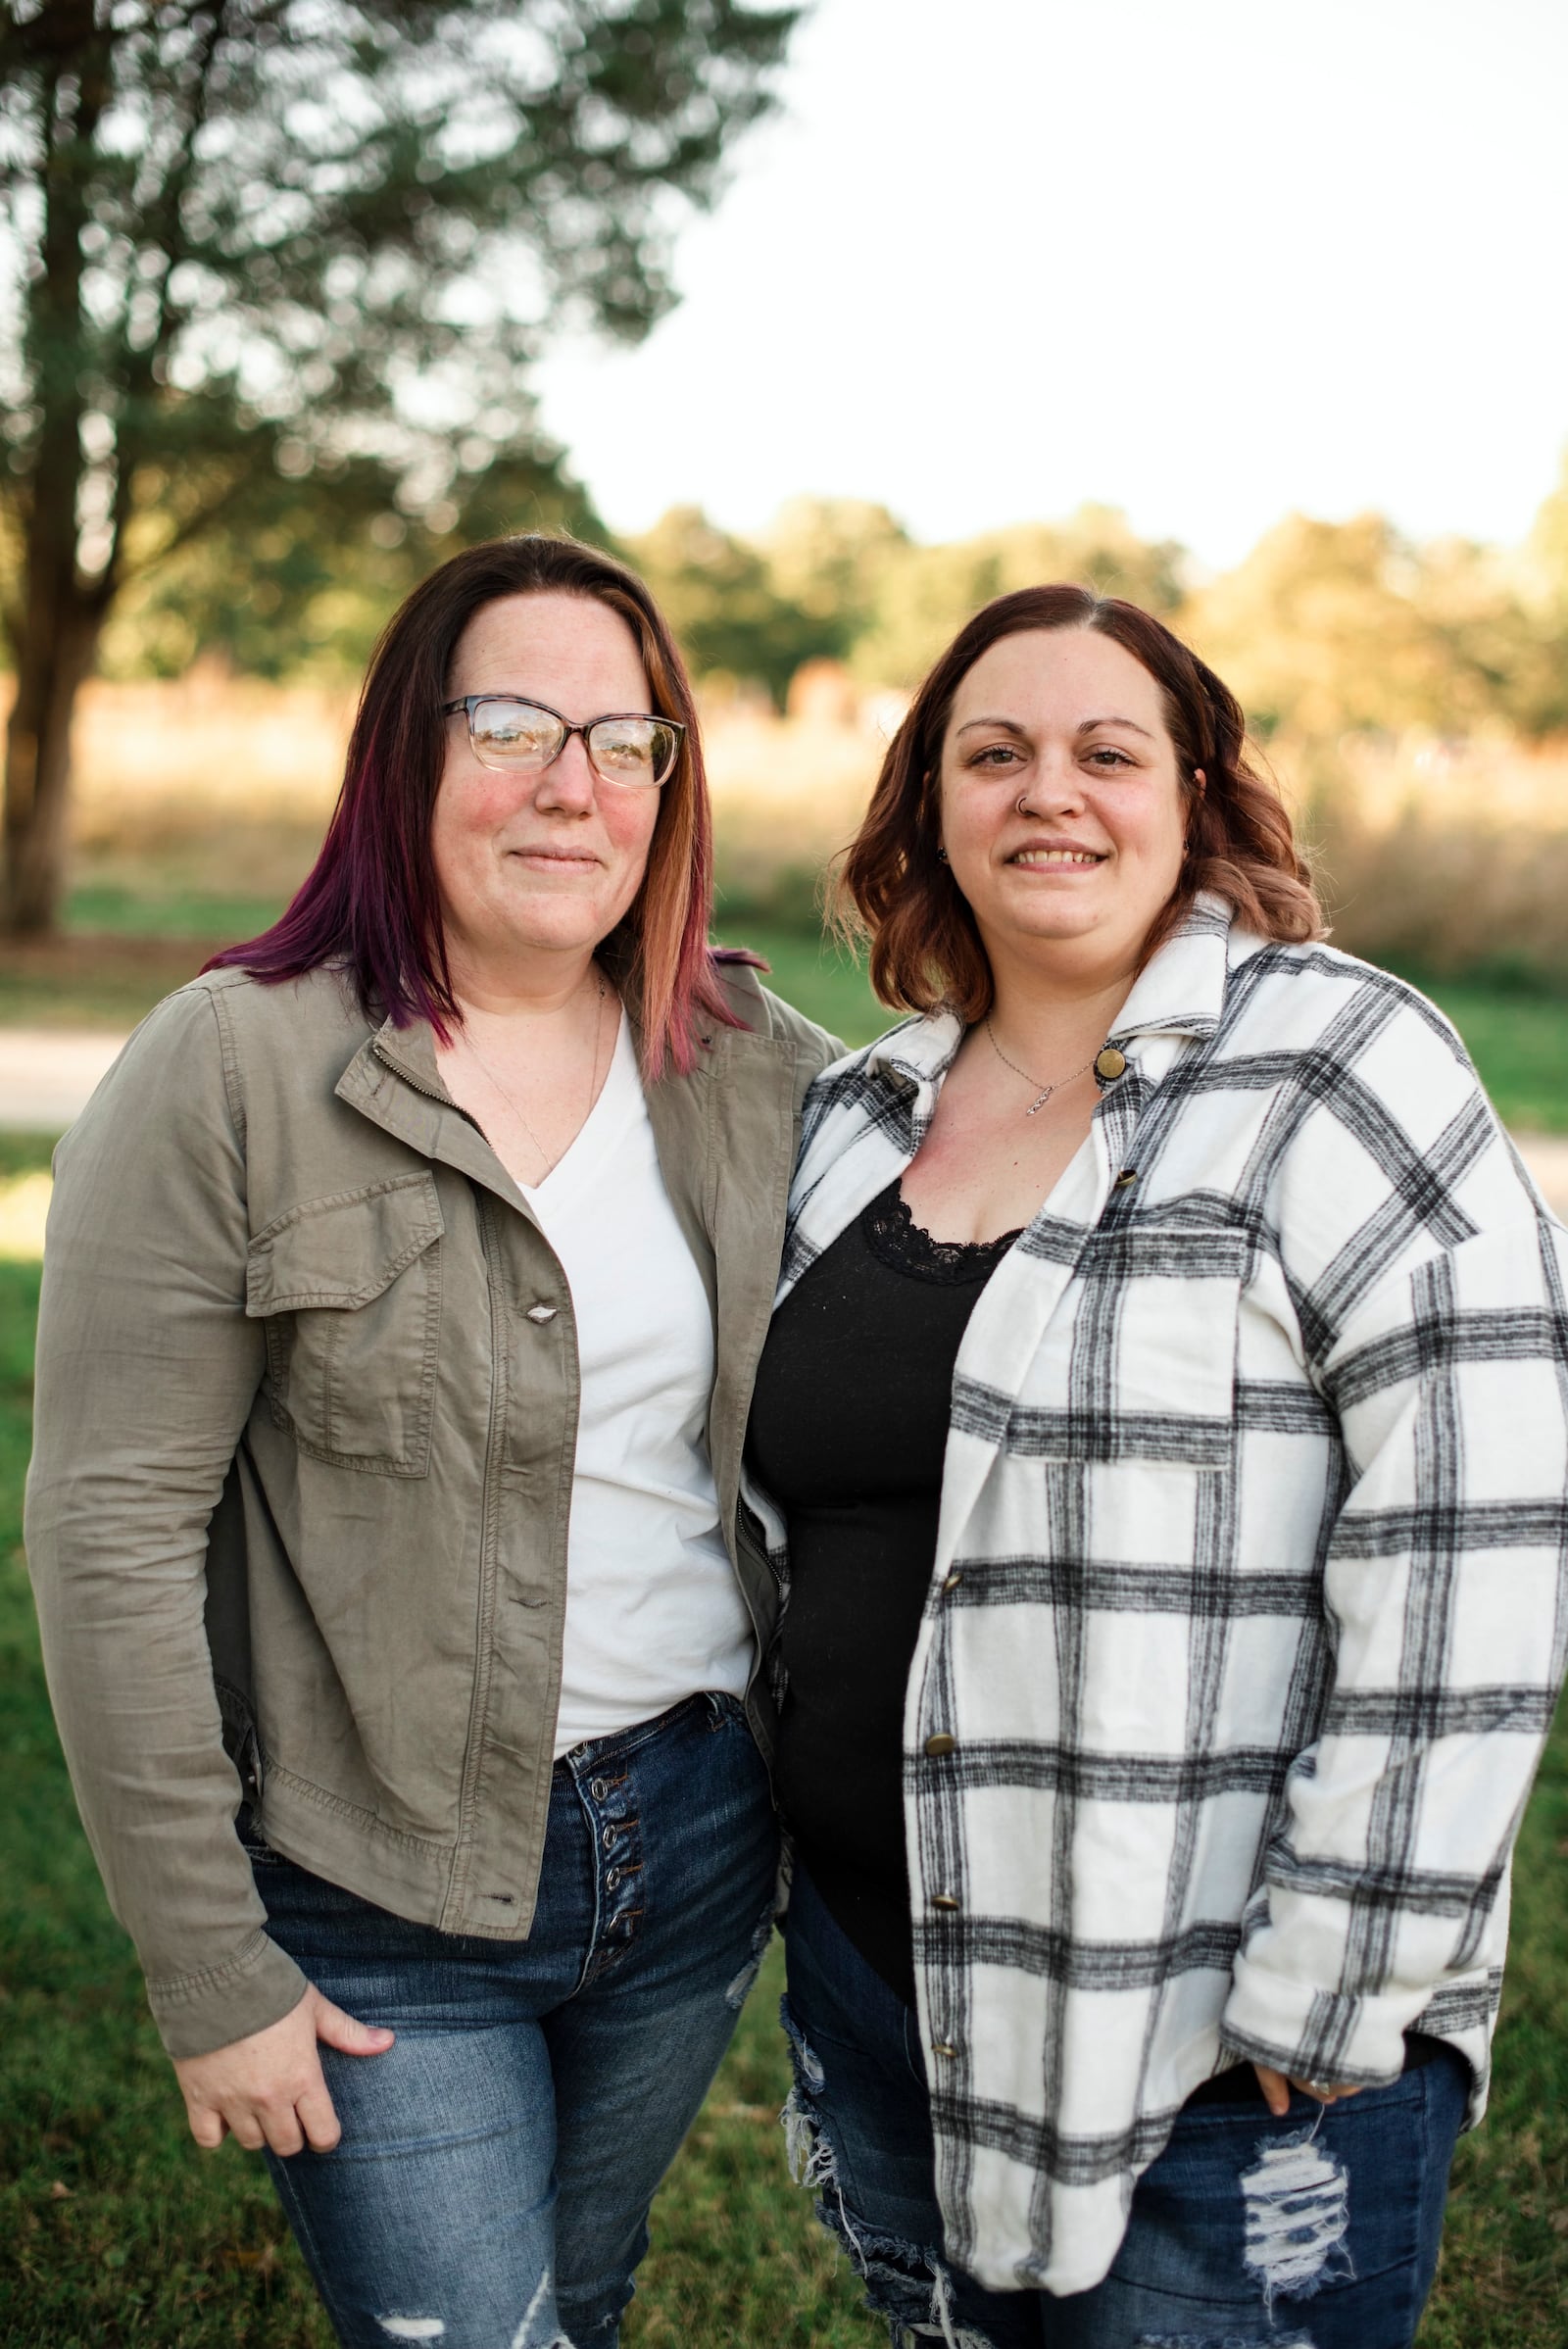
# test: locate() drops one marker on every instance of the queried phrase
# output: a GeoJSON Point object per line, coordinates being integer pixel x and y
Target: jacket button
{"type": "Point", "coordinates": [940, 1743]}
{"type": "Point", "coordinates": [951, 1585]}
{"type": "Point", "coordinates": [1110, 1064]}
{"type": "Point", "coordinates": [1126, 1179]}
{"type": "Point", "coordinates": [541, 1313]}
{"type": "Point", "coordinates": [945, 1901]}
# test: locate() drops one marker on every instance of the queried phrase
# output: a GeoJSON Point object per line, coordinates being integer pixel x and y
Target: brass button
{"type": "Point", "coordinates": [940, 1742]}
{"type": "Point", "coordinates": [942, 2047]}
{"type": "Point", "coordinates": [1110, 1064]}
{"type": "Point", "coordinates": [1127, 1178]}
{"type": "Point", "coordinates": [952, 1583]}
{"type": "Point", "coordinates": [945, 1901]}
{"type": "Point", "coordinates": [541, 1314]}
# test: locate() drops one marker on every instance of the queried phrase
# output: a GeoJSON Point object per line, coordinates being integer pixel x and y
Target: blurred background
{"type": "Point", "coordinates": [835, 322]}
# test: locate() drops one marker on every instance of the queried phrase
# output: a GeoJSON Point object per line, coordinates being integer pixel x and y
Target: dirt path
{"type": "Point", "coordinates": [47, 1073]}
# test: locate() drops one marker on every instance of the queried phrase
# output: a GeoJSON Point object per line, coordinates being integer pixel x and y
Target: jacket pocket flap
{"type": "Point", "coordinates": [344, 1251]}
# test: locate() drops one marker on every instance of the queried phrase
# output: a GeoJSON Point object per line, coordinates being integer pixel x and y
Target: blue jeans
{"type": "Point", "coordinates": [492, 2184]}
{"type": "Point", "coordinates": [1372, 2211]}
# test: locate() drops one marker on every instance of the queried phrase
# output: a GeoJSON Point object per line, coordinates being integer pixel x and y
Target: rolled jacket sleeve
{"type": "Point", "coordinates": [1443, 1591]}
{"type": "Point", "coordinates": [147, 1370]}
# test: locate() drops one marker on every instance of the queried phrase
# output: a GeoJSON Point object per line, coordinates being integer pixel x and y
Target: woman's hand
{"type": "Point", "coordinates": [269, 2089]}
{"type": "Point", "coordinates": [1277, 2088]}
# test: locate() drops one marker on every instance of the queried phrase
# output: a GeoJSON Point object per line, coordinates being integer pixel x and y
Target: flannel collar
{"type": "Point", "coordinates": [1180, 992]}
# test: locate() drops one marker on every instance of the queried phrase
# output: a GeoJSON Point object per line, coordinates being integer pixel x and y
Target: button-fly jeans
{"type": "Point", "coordinates": [1318, 2230]}
{"type": "Point", "coordinates": [492, 2185]}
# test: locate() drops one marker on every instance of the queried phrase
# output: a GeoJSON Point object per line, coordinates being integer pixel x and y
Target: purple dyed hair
{"type": "Point", "coordinates": [370, 904]}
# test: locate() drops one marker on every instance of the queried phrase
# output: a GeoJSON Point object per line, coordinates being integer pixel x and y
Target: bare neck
{"type": "Point", "coordinates": [1074, 1002]}
{"type": "Point", "coordinates": [531, 985]}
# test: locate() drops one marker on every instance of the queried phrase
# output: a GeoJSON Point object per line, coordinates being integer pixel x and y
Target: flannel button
{"type": "Point", "coordinates": [1126, 1179]}
{"type": "Point", "coordinates": [945, 1901]}
{"type": "Point", "coordinates": [1110, 1064]}
{"type": "Point", "coordinates": [940, 1743]}
{"type": "Point", "coordinates": [951, 1585]}
{"type": "Point", "coordinates": [541, 1314]}
{"type": "Point", "coordinates": [942, 2047]}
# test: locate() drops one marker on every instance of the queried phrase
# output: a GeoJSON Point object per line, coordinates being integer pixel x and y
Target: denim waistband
{"type": "Point", "coordinates": [711, 1706]}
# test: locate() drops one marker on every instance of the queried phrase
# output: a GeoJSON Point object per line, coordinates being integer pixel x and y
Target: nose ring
{"type": "Point", "coordinates": [1022, 809]}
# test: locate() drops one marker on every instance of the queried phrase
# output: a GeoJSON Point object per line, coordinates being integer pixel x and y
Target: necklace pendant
{"type": "Point", "coordinates": [1041, 1103]}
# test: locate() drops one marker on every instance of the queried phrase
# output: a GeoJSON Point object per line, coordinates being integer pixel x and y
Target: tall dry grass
{"type": "Point", "coordinates": [227, 785]}
{"type": "Point", "coordinates": [1449, 857]}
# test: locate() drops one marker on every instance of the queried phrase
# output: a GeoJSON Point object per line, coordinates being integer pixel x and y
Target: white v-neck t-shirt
{"type": "Point", "coordinates": [654, 1609]}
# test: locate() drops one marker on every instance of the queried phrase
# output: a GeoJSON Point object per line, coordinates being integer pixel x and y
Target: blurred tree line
{"type": "Point", "coordinates": [1325, 628]}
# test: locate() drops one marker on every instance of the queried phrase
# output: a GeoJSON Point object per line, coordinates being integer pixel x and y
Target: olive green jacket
{"type": "Point", "coordinates": [307, 1408]}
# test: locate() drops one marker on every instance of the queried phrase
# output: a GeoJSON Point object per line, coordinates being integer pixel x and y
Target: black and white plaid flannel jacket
{"type": "Point", "coordinates": [1248, 1611]}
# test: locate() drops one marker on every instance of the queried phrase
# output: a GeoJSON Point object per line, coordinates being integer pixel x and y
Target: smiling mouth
{"type": "Point", "coordinates": [570, 857]}
{"type": "Point", "coordinates": [1056, 860]}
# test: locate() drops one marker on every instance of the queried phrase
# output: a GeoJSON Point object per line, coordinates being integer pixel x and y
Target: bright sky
{"type": "Point", "coordinates": [1206, 260]}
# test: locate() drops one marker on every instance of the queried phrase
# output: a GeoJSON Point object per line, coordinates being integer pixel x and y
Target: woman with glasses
{"type": "Point", "coordinates": [1162, 1436]}
{"type": "Point", "coordinates": [405, 1279]}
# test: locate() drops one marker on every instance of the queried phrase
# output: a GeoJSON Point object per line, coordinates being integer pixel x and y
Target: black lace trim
{"type": "Point", "coordinates": [892, 1234]}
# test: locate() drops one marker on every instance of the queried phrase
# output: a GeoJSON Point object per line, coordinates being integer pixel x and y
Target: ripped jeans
{"type": "Point", "coordinates": [492, 2185]}
{"type": "Point", "coordinates": [1315, 2232]}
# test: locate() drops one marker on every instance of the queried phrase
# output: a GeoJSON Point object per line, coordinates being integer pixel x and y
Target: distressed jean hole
{"type": "Point", "coordinates": [906, 2283]}
{"type": "Point", "coordinates": [761, 1933]}
{"type": "Point", "coordinates": [1297, 2214]}
{"type": "Point", "coordinates": [538, 2307]}
{"type": "Point", "coordinates": [1223, 2340]}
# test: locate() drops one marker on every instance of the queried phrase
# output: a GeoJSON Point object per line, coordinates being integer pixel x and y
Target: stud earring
{"type": "Point", "coordinates": [942, 855]}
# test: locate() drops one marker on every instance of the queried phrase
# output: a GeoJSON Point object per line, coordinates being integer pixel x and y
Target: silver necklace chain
{"type": "Point", "coordinates": [515, 1107]}
{"type": "Point", "coordinates": [1044, 1092]}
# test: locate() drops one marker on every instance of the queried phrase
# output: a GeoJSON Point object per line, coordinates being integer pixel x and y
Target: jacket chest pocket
{"type": "Point", "coordinates": [349, 1289]}
{"type": "Point", "coordinates": [1144, 1365]}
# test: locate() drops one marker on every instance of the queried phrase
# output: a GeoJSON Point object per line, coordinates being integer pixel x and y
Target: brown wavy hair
{"type": "Point", "coordinates": [893, 888]}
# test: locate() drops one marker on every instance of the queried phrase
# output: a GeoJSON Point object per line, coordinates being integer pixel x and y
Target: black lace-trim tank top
{"type": "Point", "coordinates": [849, 1428]}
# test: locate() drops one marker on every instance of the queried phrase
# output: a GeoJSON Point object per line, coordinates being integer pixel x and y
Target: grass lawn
{"type": "Point", "coordinates": [113, 2231]}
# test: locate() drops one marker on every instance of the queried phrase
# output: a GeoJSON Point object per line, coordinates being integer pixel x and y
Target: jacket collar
{"type": "Point", "coordinates": [411, 1053]}
{"type": "Point", "coordinates": [1180, 992]}
{"type": "Point", "coordinates": [421, 1111]}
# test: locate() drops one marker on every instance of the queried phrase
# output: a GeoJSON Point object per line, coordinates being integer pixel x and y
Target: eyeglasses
{"type": "Point", "coordinates": [524, 737]}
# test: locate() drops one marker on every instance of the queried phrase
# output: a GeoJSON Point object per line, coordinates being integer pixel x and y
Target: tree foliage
{"type": "Point", "coordinates": [1331, 627]}
{"type": "Point", "coordinates": [260, 244]}
{"type": "Point", "coordinates": [1325, 628]}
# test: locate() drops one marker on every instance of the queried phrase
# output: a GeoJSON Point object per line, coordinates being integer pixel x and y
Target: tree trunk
{"type": "Point", "coordinates": [51, 665]}
{"type": "Point", "coordinates": [56, 637]}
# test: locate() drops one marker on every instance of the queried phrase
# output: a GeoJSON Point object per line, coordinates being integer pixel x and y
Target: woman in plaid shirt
{"type": "Point", "coordinates": [1174, 1568]}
